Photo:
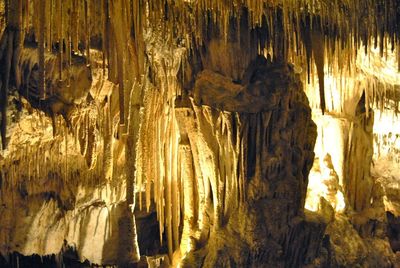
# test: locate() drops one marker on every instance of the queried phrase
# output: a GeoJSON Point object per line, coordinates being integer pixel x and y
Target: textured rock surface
{"type": "Point", "coordinates": [386, 170]}
{"type": "Point", "coordinates": [64, 189]}
{"type": "Point", "coordinates": [233, 163]}
{"type": "Point", "coordinates": [357, 228]}
{"type": "Point", "coordinates": [48, 195]}
{"type": "Point", "coordinates": [168, 99]}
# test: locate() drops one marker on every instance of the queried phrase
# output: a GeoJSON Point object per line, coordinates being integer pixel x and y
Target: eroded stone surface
{"type": "Point", "coordinates": [252, 162]}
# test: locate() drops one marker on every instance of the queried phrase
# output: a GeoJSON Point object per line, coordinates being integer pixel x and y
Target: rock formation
{"type": "Point", "coordinates": [199, 133]}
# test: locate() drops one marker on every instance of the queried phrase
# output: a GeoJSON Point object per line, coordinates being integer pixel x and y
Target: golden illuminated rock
{"type": "Point", "coordinates": [181, 133]}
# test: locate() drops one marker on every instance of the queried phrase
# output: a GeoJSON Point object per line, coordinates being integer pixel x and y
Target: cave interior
{"type": "Point", "coordinates": [199, 133]}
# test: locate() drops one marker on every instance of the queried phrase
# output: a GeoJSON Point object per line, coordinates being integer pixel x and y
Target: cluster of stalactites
{"type": "Point", "coordinates": [328, 34]}
{"type": "Point", "coordinates": [179, 177]}
{"type": "Point", "coordinates": [372, 80]}
{"type": "Point", "coordinates": [344, 26]}
{"type": "Point", "coordinates": [75, 26]}
{"type": "Point", "coordinates": [39, 159]}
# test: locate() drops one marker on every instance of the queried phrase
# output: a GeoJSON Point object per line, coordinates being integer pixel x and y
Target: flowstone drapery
{"type": "Point", "coordinates": [234, 150]}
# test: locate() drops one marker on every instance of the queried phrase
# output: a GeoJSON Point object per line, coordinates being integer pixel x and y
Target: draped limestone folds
{"type": "Point", "coordinates": [343, 190]}
{"type": "Point", "coordinates": [232, 150]}
{"type": "Point", "coordinates": [67, 191]}
{"type": "Point", "coordinates": [322, 32]}
{"type": "Point", "coordinates": [192, 115]}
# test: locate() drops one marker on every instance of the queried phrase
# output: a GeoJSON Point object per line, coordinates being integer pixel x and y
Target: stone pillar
{"type": "Point", "coordinates": [255, 149]}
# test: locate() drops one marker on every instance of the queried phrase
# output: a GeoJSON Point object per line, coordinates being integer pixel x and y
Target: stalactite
{"type": "Point", "coordinates": [188, 194]}
{"type": "Point", "coordinates": [87, 31]}
{"type": "Point", "coordinates": [398, 54]}
{"type": "Point", "coordinates": [60, 39]}
{"type": "Point", "coordinates": [12, 39]}
{"type": "Point", "coordinates": [318, 47]}
{"type": "Point", "coordinates": [306, 35]}
{"type": "Point", "coordinates": [41, 50]}
{"type": "Point", "coordinates": [26, 16]}
{"type": "Point", "coordinates": [4, 91]}
{"type": "Point", "coordinates": [175, 191]}
{"type": "Point", "coordinates": [138, 9]}
{"type": "Point", "coordinates": [49, 22]}
{"type": "Point", "coordinates": [74, 26]}
{"type": "Point", "coordinates": [104, 35]}
{"type": "Point", "coordinates": [121, 89]}
{"type": "Point", "coordinates": [130, 156]}
{"type": "Point", "coordinates": [108, 144]}
{"type": "Point", "coordinates": [6, 10]}
{"type": "Point", "coordinates": [148, 146]}
{"type": "Point", "coordinates": [69, 42]}
{"type": "Point", "coordinates": [168, 187]}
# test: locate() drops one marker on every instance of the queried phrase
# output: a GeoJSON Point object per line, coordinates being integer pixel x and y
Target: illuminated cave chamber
{"type": "Point", "coordinates": [199, 133]}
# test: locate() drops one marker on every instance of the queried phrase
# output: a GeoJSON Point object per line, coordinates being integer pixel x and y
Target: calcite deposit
{"type": "Point", "coordinates": [182, 133]}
